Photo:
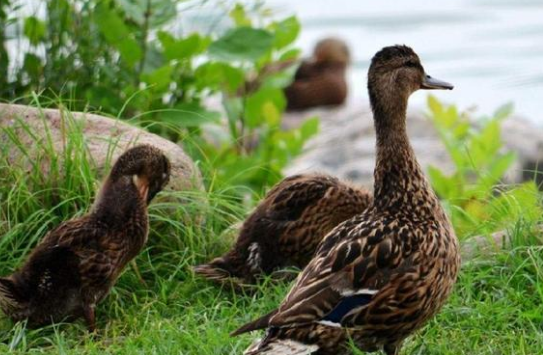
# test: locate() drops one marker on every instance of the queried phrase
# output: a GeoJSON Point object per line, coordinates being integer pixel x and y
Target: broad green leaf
{"type": "Point", "coordinates": [290, 54]}
{"type": "Point", "coordinates": [271, 114]}
{"type": "Point", "coordinates": [310, 128]}
{"type": "Point", "coordinates": [285, 31]}
{"type": "Point", "coordinates": [114, 30]}
{"type": "Point", "coordinates": [218, 75]}
{"type": "Point", "coordinates": [159, 79]}
{"type": "Point", "coordinates": [183, 48]}
{"type": "Point", "coordinates": [161, 11]}
{"type": "Point", "coordinates": [255, 103]}
{"type": "Point", "coordinates": [34, 29]}
{"type": "Point", "coordinates": [242, 44]}
{"type": "Point", "coordinates": [189, 115]}
{"type": "Point", "coordinates": [32, 65]}
{"type": "Point", "coordinates": [435, 106]}
{"type": "Point", "coordinates": [446, 187]}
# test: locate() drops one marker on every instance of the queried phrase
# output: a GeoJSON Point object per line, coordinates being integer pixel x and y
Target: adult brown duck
{"type": "Point", "coordinates": [320, 81]}
{"type": "Point", "coordinates": [76, 264]}
{"type": "Point", "coordinates": [286, 227]}
{"type": "Point", "coordinates": [381, 275]}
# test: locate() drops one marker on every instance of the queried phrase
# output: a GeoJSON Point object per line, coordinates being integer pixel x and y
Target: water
{"type": "Point", "coordinates": [491, 50]}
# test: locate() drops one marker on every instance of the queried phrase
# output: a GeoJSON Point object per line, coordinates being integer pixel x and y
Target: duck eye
{"type": "Point", "coordinates": [411, 64]}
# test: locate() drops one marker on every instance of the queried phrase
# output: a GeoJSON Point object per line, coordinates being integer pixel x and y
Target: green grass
{"type": "Point", "coordinates": [497, 306]}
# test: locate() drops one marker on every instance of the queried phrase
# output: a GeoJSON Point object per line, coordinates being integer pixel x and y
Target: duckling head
{"type": "Point", "coordinates": [395, 73]}
{"type": "Point", "coordinates": [144, 166]}
{"type": "Point", "coordinates": [332, 50]}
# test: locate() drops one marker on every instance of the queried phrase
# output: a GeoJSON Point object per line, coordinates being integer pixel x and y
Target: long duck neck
{"type": "Point", "coordinates": [399, 181]}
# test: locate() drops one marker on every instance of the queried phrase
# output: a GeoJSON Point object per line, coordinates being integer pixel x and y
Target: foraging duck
{"type": "Point", "coordinates": [77, 263]}
{"type": "Point", "coordinates": [286, 227]}
{"type": "Point", "coordinates": [378, 277]}
{"type": "Point", "coordinates": [320, 81]}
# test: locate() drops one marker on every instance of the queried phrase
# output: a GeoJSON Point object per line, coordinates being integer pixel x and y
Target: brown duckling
{"type": "Point", "coordinates": [286, 227]}
{"type": "Point", "coordinates": [380, 276]}
{"type": "Point", "coordinates": [76, 264]}
{"type": "Point", "coordinates": [320, 81]}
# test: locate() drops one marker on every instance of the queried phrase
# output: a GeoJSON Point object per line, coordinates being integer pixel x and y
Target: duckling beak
{"type": "Point", "coordinates": [430, 83]}
{"type": "Point", "coordinates": [142, 186]}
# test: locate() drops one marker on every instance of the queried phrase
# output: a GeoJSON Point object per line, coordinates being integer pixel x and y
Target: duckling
{"type": "Point", "coordinates": [381, 275]}
{"type": "Point", "coordinates": [75, 265]}
{"type": "Point", "coordinates": [320, 81]}
{"type": "Point", "coordinates": [286, 227]}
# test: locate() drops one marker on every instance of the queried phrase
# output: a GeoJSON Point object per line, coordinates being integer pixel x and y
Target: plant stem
{"type": "Point", "coordinates": [143, 43]}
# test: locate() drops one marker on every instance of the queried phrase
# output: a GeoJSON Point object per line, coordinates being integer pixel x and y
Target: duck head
{"type": "Point", "coordinates": [332, 50]}
{"type": "Point", "coordinates": [396, 72]}
{"type": "Point", "coordinates": [144, 166]}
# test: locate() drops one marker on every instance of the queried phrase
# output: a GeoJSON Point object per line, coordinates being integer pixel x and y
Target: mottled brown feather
{"type": "Point", "coordinates": [76, 264]}
{"type": "Point", "coordinates": [379, 276]}
{"type": "Point", "coordinates": [287, 226]}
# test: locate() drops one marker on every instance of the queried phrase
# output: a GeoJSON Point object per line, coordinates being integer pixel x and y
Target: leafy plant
{"type": "Point", "coordinates": [122, 58]}
{"type": "Point", "coordinates": [473, 192]}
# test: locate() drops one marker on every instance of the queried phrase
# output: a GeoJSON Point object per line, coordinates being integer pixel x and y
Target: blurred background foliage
{"type": "Point", "coordinates": [124, 58]}
{"type": "Point", "coordinates": [474, 193]}
{"type": "Point", "coordinates": [218, 90]}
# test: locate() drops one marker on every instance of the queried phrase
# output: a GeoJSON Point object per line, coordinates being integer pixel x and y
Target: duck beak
{"type": "Point", "coordinates": [142, 186]}
{"type": "Point", "coordinates": [430, 83]}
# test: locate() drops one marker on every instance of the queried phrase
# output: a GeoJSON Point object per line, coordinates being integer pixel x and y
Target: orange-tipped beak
{"type": "Point", "coordinates": [142, 186]}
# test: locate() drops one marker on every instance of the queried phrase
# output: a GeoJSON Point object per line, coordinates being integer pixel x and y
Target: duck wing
{"type": "Point", "coordinates": [290, 198]}
{"type": "Point", "coordinates": [354, 264]}
{"type": "Point", "coordinates": [98, 255]}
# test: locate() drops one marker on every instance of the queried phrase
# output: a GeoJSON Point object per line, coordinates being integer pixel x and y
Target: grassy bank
{"type": "Point", "coordinates": [497, 306]}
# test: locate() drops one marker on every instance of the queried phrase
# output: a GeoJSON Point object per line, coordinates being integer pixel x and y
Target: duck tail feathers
{"type": "Point", "coordinates": [280, 347]}
{"type": "Point", "coordinates": [10, 297]}
{"type": "Point", "coordinates": [212, 272]}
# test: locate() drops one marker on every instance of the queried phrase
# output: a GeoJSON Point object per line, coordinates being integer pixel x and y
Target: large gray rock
{"type": "Point", "coordinates": [345, 147]}
{"type": "Point", "coordinates": [105, 139]}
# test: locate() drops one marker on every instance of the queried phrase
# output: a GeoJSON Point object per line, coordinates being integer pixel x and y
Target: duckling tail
{"type": "Point", "coordinates": [11, 300]}
{"type": "Point", "coordinates": [212, 272]}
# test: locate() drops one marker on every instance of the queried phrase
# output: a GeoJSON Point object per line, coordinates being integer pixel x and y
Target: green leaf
{"type": "Point", "coordinates": [219, 76]}
{"type": "Point", "coordinates": [159, 79]}
{"type": "Point", "coordinates": [285, 31]}
{"type": "Point", "coordinates": [310, 128]}
{"type": "Point", "coordinates": [504, 111]}
{"type": "Point", "coordinates": [271, 114]}
{"type": "Point", "coordinates": [435, 106]}
{"type": "Point", "coordinates": [189, 115]}
{"type": "Point", "coordinates": [32, 65]}
{"type": "Point", "coordinates": [161, 11]}
{"type": "Point", "coordinates": [242, 44]}
{"type": "Point", "coordinates": [290, 54]}
{"type": "Point", "coordinates": [256, 103]}
{"type": "Point", "coordinates": [239, 16]}
{"type": "Point", "coordinates": [444, 186]}
{"type": "Point", "coordinates": [181, 49]}
{"type": "Point", "coordinates": [34, 29]}
{"type": "Point", "coordinates": [116, 33]}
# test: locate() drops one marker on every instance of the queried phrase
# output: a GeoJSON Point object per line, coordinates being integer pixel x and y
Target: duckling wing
{"type": "Point", "coordinates": [290, 198]}
{"type": "Point", "coordinates": [93, 247]}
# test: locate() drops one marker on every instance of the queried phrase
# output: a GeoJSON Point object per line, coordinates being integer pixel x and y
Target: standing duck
{"type": "Point", "coordinates": [286, 227]}
{"type": "Point", "coordinates": [378, 277]}
{"type": "Point", "coordinates": [77, 263]}
{"type": "Point", "coordinates": [320, 81]}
